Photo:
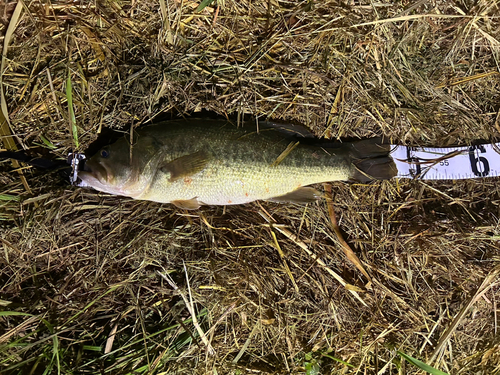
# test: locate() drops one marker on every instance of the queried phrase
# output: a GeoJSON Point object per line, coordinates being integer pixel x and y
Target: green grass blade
{"type": "Point", "coordinates": [337, 359]}
{"type": "Point", "coordinates": [12, 313]}
{"type": "Point", "coordinates": [72, 118]}
{"type": "Point", "coordinates": [55, 351]}
{"type": "Point", "coordinates": [47, 143]}
{"type": "Point", "coordinates": [421, 365]}
{"type": "Point", "coordinates": [92, 348]}
{"type": "Point", "coordinates": [203, 5]}
{"type": "Point", "coordinates": [8, 197]}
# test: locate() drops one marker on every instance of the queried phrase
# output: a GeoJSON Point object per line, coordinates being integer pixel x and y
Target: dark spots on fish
{"type": "Point", "coordinates": [246, 194]}
{"type": "Point", "coordinates": [229, 201]}
{"type": "Point", "coordinates": [188, 180]}
{"type": "Point", "coordinates": [155, 143]}
{"type": "Point", "coordinates": [267, 190]}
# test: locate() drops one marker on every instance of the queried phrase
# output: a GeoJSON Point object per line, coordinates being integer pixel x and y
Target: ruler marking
{"type": "Point", "coordinates": [475, 161]}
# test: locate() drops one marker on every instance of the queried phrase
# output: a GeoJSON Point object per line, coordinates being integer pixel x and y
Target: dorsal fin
{"type": "Point", "coordinates": [291, 130]}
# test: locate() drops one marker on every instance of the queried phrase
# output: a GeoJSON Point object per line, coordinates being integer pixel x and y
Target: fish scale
{"type": "Point", "coordinates": [237, 169]}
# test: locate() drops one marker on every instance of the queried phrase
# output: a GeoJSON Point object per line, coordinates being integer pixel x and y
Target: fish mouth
{"type": "Point", "coordinates": [96, 175]}
{"type": "Point", "coordinates": [97, 170]}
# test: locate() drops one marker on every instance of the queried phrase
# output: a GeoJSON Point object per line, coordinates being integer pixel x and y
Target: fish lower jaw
{"type": "Point", "coordinates": [113, 191]}
{"type": "Point", "coordinates": [88, 180]}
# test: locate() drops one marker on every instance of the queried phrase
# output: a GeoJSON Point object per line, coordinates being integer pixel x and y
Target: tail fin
{"type": "Point", "coordinates": [371, 160]}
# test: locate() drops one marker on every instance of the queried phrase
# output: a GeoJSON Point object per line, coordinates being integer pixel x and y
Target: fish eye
{"type": "Point", "coordinates": [104, 153]}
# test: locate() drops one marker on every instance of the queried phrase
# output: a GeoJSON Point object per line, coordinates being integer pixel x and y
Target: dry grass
{"type": "Point", "coordinates": [111, 285]}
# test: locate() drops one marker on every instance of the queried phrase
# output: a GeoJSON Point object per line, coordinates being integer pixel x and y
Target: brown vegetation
{"type": "Point", "coordinates": [102, 284]}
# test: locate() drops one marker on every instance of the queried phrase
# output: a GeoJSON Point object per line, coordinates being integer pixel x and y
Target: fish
{"type": "Point", "coordinates": [195, 162]}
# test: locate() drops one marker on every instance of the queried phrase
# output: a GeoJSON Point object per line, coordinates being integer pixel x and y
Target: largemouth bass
{"type": "Point", "coordinates": [212, 162]}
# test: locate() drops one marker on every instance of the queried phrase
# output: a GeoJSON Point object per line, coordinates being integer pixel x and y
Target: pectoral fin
{"type": "Point", "coordinates": [189, 204]}
{"type": "Point", "coordinates": [186, 165]}
{"type": "Point", "coordinates": [300, 195]}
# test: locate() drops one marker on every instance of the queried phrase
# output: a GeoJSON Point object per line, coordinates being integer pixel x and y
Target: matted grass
{"type": "Point", "coordinates": [91, 283]}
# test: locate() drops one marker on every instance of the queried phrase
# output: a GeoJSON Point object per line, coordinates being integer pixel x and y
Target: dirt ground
{"type": "Point", "coordinates": [92, 283]}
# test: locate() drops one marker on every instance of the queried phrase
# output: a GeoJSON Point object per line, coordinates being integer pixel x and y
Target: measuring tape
{"type": "Point", "coordinates": [448, 163]}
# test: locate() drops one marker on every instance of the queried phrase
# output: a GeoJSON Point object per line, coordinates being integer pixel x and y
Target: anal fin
{"type": "Point", "coordinates": [187, 204]}
{"type": "Point", "coordinates": [300, 195]}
